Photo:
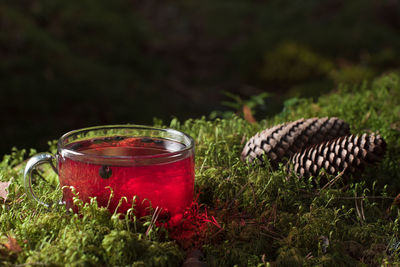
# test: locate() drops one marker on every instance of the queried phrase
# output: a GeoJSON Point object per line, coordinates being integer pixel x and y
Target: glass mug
{"type": "Point", "coordinates": [154, 166]}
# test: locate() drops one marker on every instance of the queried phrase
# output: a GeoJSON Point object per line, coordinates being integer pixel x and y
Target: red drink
{"type": "Point", "coordinates": [152, 169]}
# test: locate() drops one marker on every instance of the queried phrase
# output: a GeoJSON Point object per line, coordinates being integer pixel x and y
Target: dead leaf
{"type": "Point", "coordinates": [366, 117]}
{"type": "Point", "coordinates": [248, 116]}
{"type": "Point", "coordinates": [395, 126]}
{"type": "Point", "coordinates": [396, 201]}
{"type": "Point", "coordinates": [12, 245]}
{"type": "Point", "coordinates": [3, 190]}
{"type": "Point", "coordinates": [315, 107]}
{"type": "Point", "coordinates": [243, 140]}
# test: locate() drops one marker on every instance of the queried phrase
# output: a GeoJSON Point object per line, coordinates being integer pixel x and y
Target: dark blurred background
{"type": "Point", "coordinates": [72, 64]}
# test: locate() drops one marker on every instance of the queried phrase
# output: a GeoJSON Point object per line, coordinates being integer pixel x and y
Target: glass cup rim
{"type": "Point", "coordinates": [74, 153]}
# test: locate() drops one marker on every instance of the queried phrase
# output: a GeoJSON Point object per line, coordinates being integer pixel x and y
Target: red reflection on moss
{"type": "Point", "coordinates": [195, 227]}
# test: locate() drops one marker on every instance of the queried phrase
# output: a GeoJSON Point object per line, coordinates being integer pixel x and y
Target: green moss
{"type": "Point", "coordinates": [258, 216]}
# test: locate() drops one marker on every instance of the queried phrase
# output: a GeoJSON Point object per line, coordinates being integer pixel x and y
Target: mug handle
{"type": "Point", "coordinates": [30, 167]}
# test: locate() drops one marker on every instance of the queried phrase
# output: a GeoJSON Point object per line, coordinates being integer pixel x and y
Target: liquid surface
{"type": "Point", "coordinates": [121, 146]}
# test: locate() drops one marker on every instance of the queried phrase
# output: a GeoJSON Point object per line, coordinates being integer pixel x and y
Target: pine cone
{"type": "Point", "coordinates": [348, 153]}
{"type": "Point", "coordinates": [282, 141]}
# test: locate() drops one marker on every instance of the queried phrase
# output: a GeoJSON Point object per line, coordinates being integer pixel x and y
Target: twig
{"type": "Point", "coordinates": [32, 264]}
{"type": "Point", "coordinates": [367, 197]}
{"type": "Point", "coordinates": [362, 208]}
{"type": "Point", "coordinates": [271, 232]}
{"type": "Point", "coordinates": [39, 174]}
{"type": "Point", "coordinates": [334, 180]}
{"type": "Point", "coordinates": [360, 211]}
{"type": "Point", "coordinates": [271, 236]}
{"type": "Point", "coordinates": [237, 195]}
{"type": "Point", "coordinates": [357, 210]}
{"type": "Point", "coordinates": [254, 195]}
{"type": "Point", "coordinates": [154, 218]}
{"type": "Point", "coordinates": [216, 233]}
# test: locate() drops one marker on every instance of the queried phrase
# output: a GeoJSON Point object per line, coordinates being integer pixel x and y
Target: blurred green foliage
{"type": "Point", "coordinates": [291, 63]}
{"type": "Point", "coordinates": [66, 65]}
